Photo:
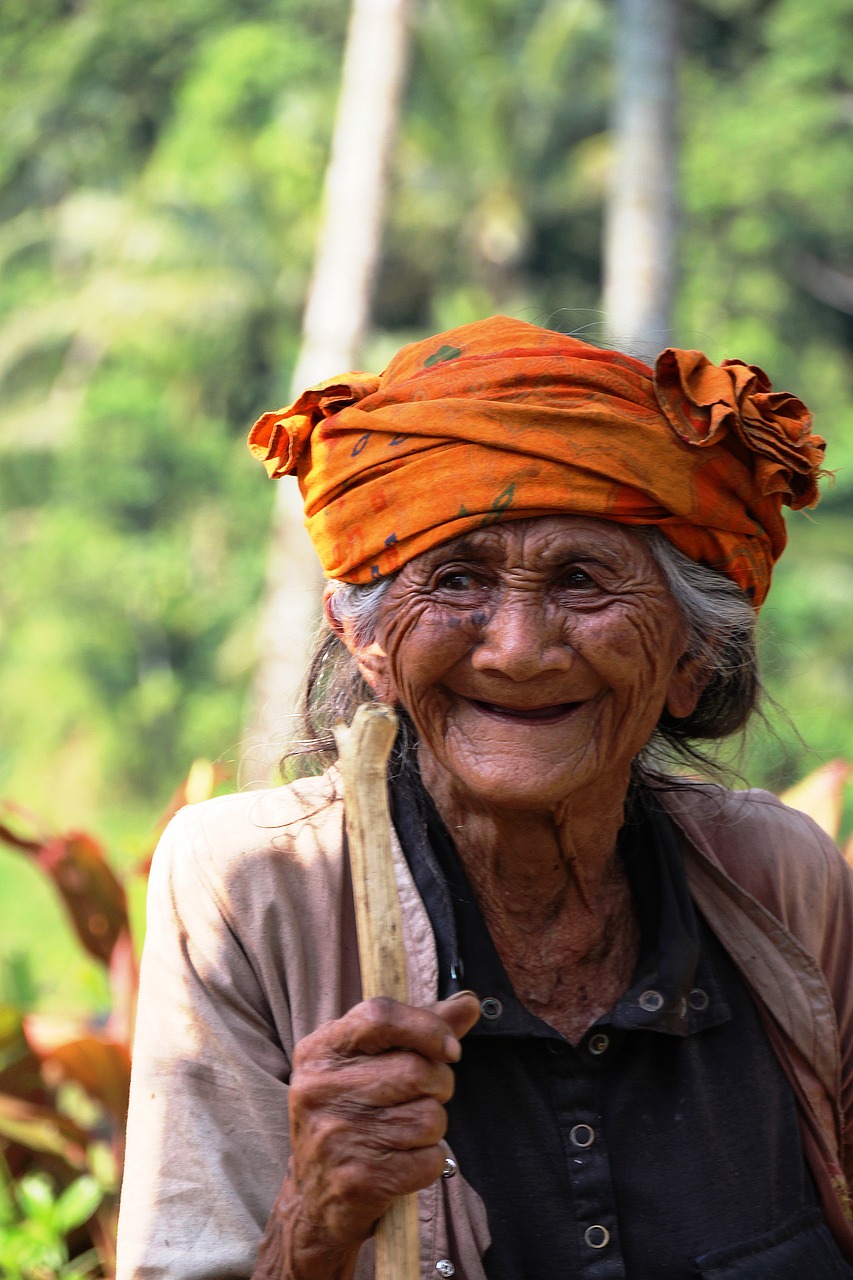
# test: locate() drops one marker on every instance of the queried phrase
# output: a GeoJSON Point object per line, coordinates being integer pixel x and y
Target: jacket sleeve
{"type": "Point", "coordinates": [835, 950]}
{"type": "Point", "coordinates": [787, 865]}
{"type": "Point", "coordinates": [207, 1140]}
{"type": "Point", "coordinates": [809, 887]}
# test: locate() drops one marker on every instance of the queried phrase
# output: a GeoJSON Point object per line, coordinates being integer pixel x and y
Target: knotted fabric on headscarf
{"type": "Point", "coordinates": [500, 420]}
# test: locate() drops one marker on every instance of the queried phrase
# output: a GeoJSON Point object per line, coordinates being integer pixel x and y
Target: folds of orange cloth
{"type": "Point", "coordinates": [500, 420]}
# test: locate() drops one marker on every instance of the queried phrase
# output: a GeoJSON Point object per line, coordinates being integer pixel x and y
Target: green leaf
{"type": "Point", "coordinates": [77, 1203]}
{"type": "Point", "coordinates": [35, 1196]}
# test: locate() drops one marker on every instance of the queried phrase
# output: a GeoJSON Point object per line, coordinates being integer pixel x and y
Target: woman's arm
{"type": "Point", "coordinates": [243, 957]}
{"type": "Point", "coordinates": [207, 1142]}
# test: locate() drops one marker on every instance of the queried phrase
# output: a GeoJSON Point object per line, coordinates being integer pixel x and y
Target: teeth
{"type": "Point", "coordinates": [530, 713]}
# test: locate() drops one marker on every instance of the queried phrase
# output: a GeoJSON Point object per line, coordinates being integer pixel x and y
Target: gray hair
{"type": "Point", "coordinates": [721, 628]}
{"type": "Point", "coordinates": [722, 636]}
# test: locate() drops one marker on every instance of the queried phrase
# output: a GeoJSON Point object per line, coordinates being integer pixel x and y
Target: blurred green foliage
{"type": "Point", "coordinates": [35, 1224]}
{"type": "Point", "coordinates": [767, 270]}
{"type": "Point", "coordinates": [160, 169]}
{"type": "Point", "coordinates": [159, 175]}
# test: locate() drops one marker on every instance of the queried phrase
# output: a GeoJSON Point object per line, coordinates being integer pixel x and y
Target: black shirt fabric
{"type": "Point", "coordinates": [664, 1145]}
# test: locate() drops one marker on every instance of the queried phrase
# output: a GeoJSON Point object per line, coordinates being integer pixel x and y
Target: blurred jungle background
{"type": "Point", "coordinates": [162, 167]}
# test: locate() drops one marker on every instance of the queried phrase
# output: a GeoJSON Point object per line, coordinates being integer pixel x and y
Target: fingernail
{"type": "Point", "coordinates": [452, 1049]}
{"type": "Point", "coordinates": [457, 995]}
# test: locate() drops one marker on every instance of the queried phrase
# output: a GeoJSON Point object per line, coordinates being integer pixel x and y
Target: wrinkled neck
{"type": "Point", "coordinates": [526, 866]}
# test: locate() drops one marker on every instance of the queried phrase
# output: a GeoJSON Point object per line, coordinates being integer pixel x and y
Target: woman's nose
{"type": "Point", "coordinates": [522, 639]}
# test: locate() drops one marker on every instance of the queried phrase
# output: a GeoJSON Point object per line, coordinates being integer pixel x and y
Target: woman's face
{"type": "Point", "coordinates": [534, 658]}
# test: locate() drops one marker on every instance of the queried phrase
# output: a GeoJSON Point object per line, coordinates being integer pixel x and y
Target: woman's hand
{"type": "Point", "coordinates": [367, 1115]}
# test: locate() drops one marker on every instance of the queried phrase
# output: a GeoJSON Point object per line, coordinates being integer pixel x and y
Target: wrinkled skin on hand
{"type": "Point", "coordinates": [367, 1097]}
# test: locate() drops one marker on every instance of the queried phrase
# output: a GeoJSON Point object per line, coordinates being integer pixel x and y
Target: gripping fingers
{"type": "Point", "coordinates": [376, 1026]}
{"type": "Point", "coordinates": [419, 1124]}
{"type": "Point", "coordinates": [366, 1111]}
{"type": "Point", "coordinates": [384, 1080]}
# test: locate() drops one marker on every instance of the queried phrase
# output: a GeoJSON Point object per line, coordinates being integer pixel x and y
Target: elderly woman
{"type": "Point", "coordinates": [549, 558]}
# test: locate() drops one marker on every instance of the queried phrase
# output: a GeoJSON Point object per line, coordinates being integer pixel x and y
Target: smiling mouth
{"type": "Point", "coordinates": [528, 715]}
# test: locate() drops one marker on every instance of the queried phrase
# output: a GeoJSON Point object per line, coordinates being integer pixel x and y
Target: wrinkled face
{"type": "Point", "coordinates": [534, 657]}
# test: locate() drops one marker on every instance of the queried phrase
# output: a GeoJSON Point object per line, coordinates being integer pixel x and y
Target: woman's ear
{"type": "Point", "coordinates": [371, 658]}
{"type": "Point", "coordinates": [686, 686]}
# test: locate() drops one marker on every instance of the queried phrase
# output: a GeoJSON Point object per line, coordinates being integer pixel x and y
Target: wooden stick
{"type": "Point", "coordinates": [363, 751]}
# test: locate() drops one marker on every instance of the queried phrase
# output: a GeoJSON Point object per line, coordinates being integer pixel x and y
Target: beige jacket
{"type": "Point", "coordinates": [251, 944]}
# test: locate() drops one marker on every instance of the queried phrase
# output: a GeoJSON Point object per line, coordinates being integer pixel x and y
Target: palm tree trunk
{"type": "Point", "coordinates": [335, 319]}
{"type": "Point", "coordinates": [642, 215]}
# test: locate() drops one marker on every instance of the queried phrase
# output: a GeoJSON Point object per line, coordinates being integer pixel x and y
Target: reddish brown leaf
{"type": "Point", "coordinates": [124, 986]}
{"type": "Point", "coordinates": [104, 1228]}
{"type": "Point", "coordinates": [42, 1129]}
{"type": "Point", "coordinates": [20, 1069]}
{"type": "Point", "coordinates": [90, 889]}
{"type": "Point", "coordinates": [9, 835]}
{"type": "Point", "coordinates": [72, 1051]}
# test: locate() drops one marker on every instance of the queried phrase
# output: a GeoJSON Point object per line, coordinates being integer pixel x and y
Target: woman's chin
{"type": "Point", "coordinates": [512, 781]}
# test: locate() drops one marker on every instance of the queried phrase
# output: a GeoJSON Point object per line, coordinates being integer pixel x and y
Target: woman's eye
{"type": "Point", "coordinates": [577, 578]}
{"type": "Point", "coordinates": [454, 580]}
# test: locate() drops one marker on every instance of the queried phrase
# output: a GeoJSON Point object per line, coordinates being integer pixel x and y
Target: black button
{"type": "Point", "coordinates": [582, 1135]}
{"type": "Point", "coordinates": [491, 1008]}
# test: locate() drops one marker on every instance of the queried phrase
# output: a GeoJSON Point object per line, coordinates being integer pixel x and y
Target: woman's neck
{"type": "Point", "coordinates": [531, 863]}
{"type": "Point", "coordinates": [554, 894]}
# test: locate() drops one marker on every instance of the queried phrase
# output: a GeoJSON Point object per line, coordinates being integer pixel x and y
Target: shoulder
{"type": "Point", "coordinates": [248, 903]}
{"type": "Point", "coordinates": [733, 822]}
{"type": "Point", "coordinates": [776, 854]}
{"type": "Point", "coordinates": [252, 842]}
{"type": "Point", "coordinates": [251, 823]}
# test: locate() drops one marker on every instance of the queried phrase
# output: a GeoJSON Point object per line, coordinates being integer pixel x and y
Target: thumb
{"type": "Point", "coordinates": [460, 1012]}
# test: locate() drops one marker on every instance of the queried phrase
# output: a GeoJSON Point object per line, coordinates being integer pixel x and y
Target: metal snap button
{"type": "Point", "coordinates": [491, 1008]}
{"type": "Point", "coordinates": [698, 999]}
{"type": "Point", "coordinates": [597, 1236]}
{"type": "Point", "coordinates": [599, 1043]}
{"type": "Point", "coordinates": [651, 1001]}
{"type": "Point", "coordinates": [582, 1135]}
{"type": "Point", "coordinates": [451, 1168]}
{"type": "Point", "coordinates": [445, 1267]}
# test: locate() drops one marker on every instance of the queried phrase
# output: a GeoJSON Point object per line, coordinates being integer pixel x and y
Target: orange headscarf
{"type": "Point", "coordinates": [500, 419]}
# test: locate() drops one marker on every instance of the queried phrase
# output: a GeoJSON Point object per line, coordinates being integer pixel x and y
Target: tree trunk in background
{"type": "Point", "coordinates": [642, 214]}
{"type": "Point", "coordinates": [336, 317]}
